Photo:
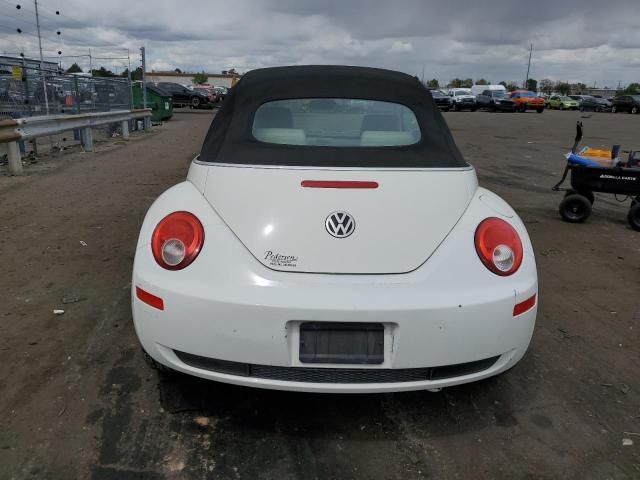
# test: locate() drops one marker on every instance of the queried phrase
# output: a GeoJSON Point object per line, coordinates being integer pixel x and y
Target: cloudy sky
{"type": "Point", "coordinates": [589, 41]}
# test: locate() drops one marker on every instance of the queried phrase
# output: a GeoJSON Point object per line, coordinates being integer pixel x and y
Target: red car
{"type": "Point", "coordinates": [526, 100]}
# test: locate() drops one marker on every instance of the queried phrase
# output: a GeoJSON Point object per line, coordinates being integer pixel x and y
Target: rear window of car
{"type": "Point", "coordinates": [336, 122]}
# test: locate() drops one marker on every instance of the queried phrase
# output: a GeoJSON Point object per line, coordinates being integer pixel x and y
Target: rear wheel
{"type": "Point", "coordinates": [539, 109]}
{"type": "Point", "coordinates": [455, 107]}
{"type": "Point", "coordinates": [634, 109]}
{"type": "Point", "coordinates": [195, 102]}
{"type": "Point", "coordinates": [614, 109]}
{"type": "Point", "coordinates": [634, 216]}
{"type": "Point", "coordinates": [581, 108]}
{"type": "Point", "coordinates": [575, 208]}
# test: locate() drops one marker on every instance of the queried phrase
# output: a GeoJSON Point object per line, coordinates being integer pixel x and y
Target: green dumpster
{"type": "Point", "coordinates": [158, 101]}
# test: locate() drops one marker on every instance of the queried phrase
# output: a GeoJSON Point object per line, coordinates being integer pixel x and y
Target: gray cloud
{"type": "Point", "coordinates": [587, 40]}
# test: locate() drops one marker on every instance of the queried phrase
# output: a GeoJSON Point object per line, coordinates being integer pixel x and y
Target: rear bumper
{"type": "Point", "coordinates": [337, 380]}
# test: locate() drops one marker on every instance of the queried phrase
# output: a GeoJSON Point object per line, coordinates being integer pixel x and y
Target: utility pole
{"type": "Point", "coordinates": [526, 80]}
{"type": "Point", "coordinates": [129, 78]}
{"type": "Point", "coordinates": [44, 78]}
{"type": "Point", "coordinates": [147, 120]}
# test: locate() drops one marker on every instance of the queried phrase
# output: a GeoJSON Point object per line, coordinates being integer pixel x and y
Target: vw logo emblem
{"type": "Point", "coordinates": [340, 224]}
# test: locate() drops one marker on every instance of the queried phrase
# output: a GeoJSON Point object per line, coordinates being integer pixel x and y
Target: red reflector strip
{"type": "Point", "coordinates": [524, 306]}
{"type": "Point", "coordinates": [149, 299]}
{"type": "Point", "coordinates": [337, 184]}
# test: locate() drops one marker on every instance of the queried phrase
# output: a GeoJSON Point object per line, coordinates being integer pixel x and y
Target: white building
{"type": "Point", "coordinates": [215, 79]}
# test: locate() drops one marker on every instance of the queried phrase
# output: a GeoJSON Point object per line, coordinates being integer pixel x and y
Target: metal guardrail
{"type": "Point", "coordinates": [13, 131]}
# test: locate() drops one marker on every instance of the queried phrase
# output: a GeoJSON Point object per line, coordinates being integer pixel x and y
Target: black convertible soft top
{"type": "Point", "coordinates": [230, 138]}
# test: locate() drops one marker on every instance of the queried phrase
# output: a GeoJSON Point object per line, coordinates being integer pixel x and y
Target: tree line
{"type": "Point", "coordinates": [104, 72]}
{"type": "Point", "coordinates": [545, 85]}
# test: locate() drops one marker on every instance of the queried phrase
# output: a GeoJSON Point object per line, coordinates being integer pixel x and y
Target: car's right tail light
{"type": "Point", "coordinates": [498, 246]}
{"type": "Point", "coordinates": [177, 240]}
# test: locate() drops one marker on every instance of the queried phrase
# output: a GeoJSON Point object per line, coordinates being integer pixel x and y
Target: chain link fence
{"type": "Point", "coordinates": [22, 92]}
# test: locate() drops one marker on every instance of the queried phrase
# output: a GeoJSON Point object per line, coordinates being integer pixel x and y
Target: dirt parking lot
{"type": "Point", "coordinates": [77, 399]}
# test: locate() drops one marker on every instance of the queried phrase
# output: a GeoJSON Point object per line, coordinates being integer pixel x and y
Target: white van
{"type": "Point", "coordinates": [478, 89]}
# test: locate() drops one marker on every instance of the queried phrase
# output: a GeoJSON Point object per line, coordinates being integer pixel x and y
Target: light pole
{"type": "Point", "coordinates": [44, 77]}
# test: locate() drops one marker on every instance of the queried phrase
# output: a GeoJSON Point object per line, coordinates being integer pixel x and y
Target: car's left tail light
{"type": "Point", "coordinates": [499, 246]}
{"type": "Point", "coordinates": [177, 240]}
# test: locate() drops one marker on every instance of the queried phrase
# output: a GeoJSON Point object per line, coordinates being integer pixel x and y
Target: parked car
{"type": "Point", "coordinates": [595, 104]}
{"type": "Point", "coordinates": [184, 97]}
{"type": "Point", "coordinates": [221, 92]}
{"type": "Point", "coordinates": [274, 278]}
{"type": "Point", "coordinates": [443, 101]}
{"type": "Point", "coordinates": [462, 99]}
{"type": "Point", "coordinates": [562, 103]}
{"type": "Point", "coordinates": [577, 98]}
{"type": "Point", "coordinates": [208, 91]}
{"type": "Point", "coordinates": [526, 100]}
{"type": "Point", "coordinates": [495, 100]}
{"type": "Point", "coordinates": [626, 103]}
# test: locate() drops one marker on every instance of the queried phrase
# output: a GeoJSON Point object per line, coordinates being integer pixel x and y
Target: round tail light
{"type": "Point", "coordinates": [177, 240]}
{"type": "Point", "coordinates": [498, 246]}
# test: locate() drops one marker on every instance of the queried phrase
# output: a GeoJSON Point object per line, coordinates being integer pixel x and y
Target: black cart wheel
{"type": "Point", "coordinates": [575, 208]}
{"type": "Point", "coordinates": [634, 216]}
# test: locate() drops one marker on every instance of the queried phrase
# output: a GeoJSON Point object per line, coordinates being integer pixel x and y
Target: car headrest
{"type": "Point", "coordinates": [283, 136]}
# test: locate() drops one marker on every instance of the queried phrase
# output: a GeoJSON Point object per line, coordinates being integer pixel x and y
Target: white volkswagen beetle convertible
{"type": "Point", "coordinates": [330, 237]}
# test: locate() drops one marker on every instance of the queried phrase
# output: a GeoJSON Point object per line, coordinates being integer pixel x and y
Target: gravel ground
{"type": "Point", "coordinates": [77, 399]}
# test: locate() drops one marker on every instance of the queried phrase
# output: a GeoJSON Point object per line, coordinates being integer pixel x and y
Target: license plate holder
{"type": "Point", "coordinates": [342, 343]}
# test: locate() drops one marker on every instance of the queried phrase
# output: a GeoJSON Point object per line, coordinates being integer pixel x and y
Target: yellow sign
{"type": "Point", "coordinates": [16, 72]}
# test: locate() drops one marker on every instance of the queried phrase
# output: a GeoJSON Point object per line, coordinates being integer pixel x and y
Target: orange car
{"type": "Point", "coordinates": [526, 100]}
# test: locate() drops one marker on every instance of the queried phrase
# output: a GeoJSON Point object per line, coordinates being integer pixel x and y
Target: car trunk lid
{"type": "Point", "coordinates": [399, 217]}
